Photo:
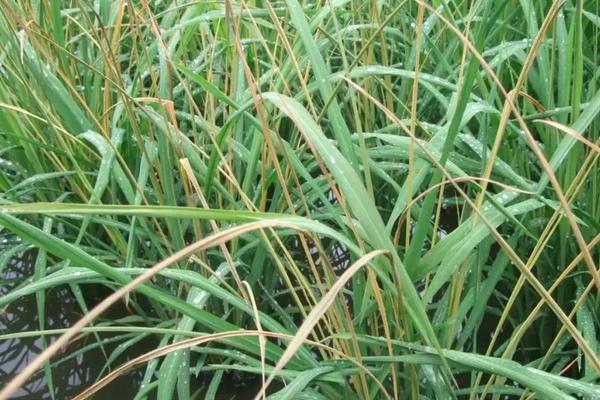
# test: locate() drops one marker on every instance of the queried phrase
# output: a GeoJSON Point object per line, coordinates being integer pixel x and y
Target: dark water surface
{"type": "Point", "coordinates": [72, 370]}
{"type": "Point", "coordinates": [70, 374]}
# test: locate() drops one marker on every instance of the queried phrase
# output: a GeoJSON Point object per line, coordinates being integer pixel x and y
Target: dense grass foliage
{"type": "Point", "coordinates": [347, 199]}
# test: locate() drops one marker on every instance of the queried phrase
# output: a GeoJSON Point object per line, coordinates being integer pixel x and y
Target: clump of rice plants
{"type": "Point", "coordinates": [340, 199]}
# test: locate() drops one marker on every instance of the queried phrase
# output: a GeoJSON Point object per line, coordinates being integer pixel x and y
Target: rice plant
{"type": "Point", "coordinates": [340, 199]}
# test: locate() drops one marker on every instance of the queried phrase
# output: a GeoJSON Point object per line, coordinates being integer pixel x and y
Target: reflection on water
{"type": "Point", "coordinates": [70, 372]}
{"type": "Point", "coordinates": [73, 370]}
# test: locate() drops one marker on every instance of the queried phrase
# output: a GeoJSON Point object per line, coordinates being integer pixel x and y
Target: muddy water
{"type": "Point", "coordinates": [70, 374]}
